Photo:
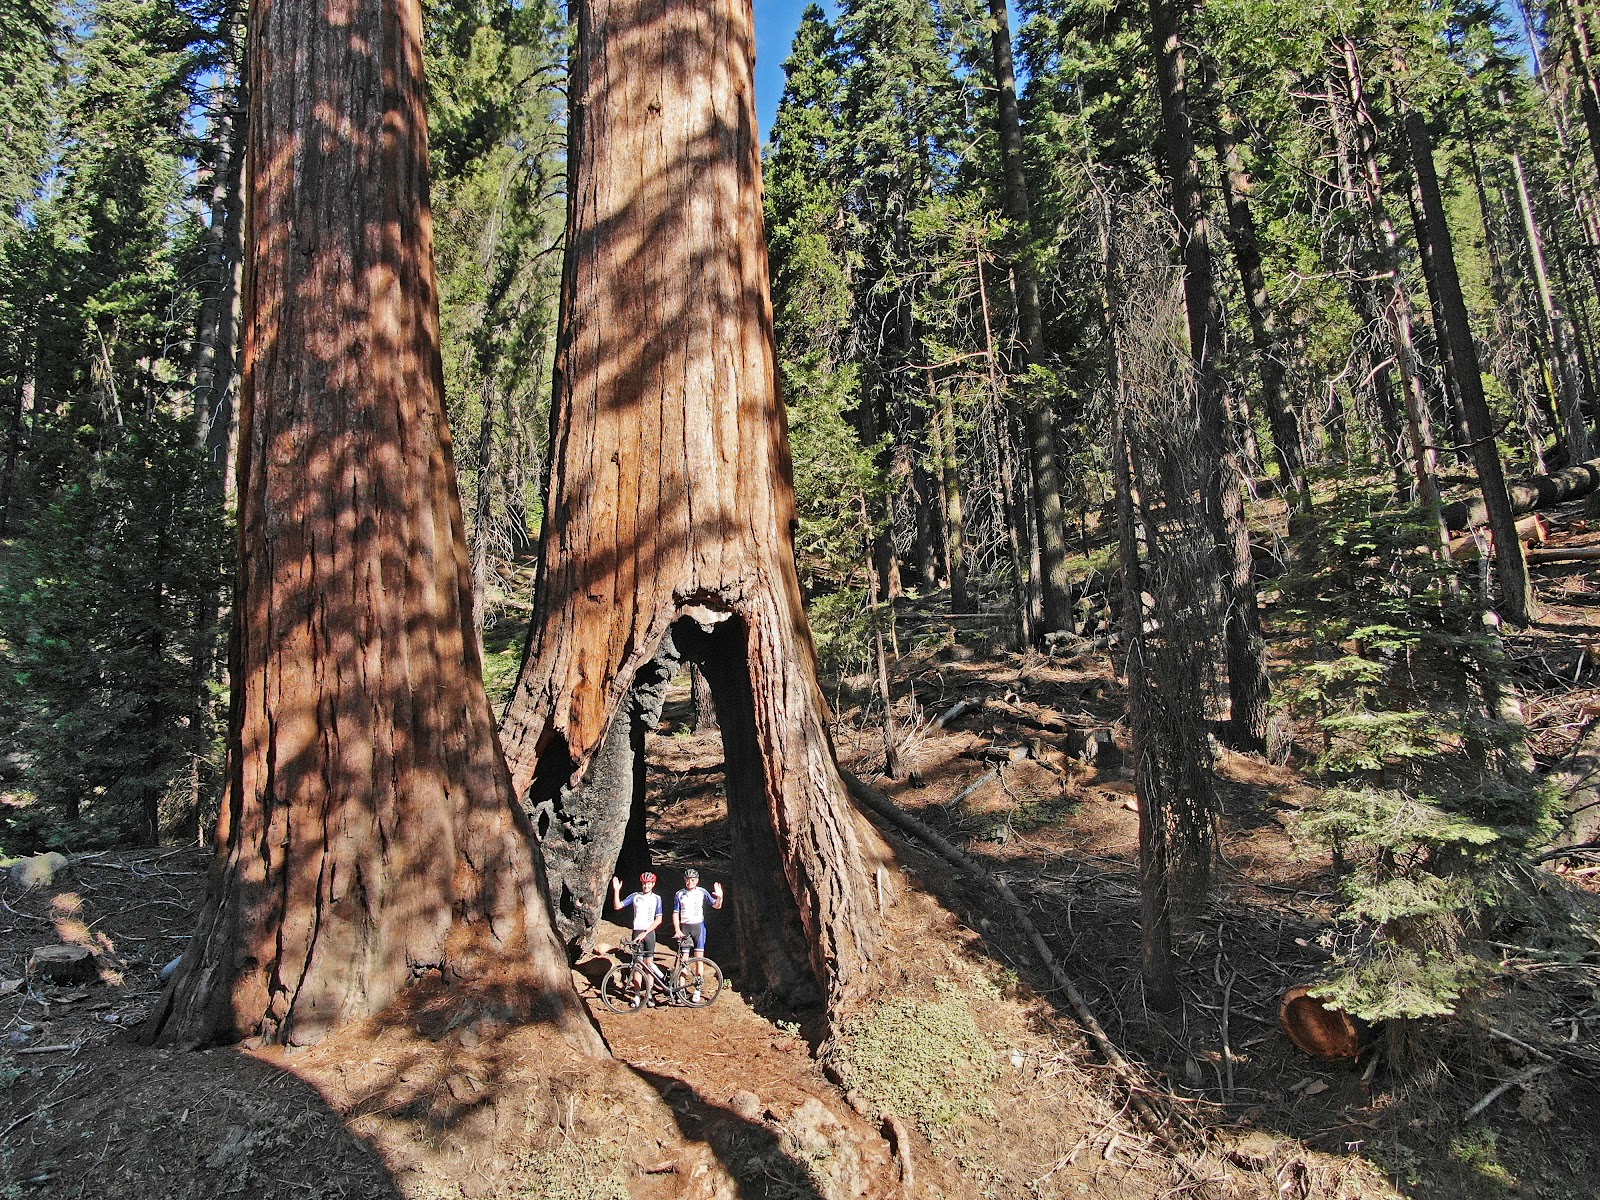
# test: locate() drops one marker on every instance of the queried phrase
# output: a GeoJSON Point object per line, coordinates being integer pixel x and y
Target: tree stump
{"type": "Point", "coordinates": [63, 964]}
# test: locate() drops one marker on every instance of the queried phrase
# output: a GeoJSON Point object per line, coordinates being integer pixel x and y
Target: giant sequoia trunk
{"type": "Point", "coordinates": [671, 504]}
{"type": "Point", "coordinates": [370, 838]}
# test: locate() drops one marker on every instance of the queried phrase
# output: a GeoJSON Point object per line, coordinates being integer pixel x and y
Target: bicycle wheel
{"type": "Point", "coordinates": [616, 989]}
{"type": "Point", "coordinates": [709, 981]}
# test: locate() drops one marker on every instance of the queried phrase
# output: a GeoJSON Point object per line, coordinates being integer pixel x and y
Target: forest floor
{"type": "Point", "coordinates": [995, 1091]}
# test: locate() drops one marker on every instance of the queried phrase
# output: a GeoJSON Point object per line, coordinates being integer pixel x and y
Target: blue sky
{"type": "Point", "coordinates": [776, 21]}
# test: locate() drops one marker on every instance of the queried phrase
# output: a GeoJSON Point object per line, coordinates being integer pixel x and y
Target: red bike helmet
{"type": "Point", "coordinates": [647, 877]}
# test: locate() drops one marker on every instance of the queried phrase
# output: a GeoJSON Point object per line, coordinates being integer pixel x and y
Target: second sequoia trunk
{"type": "Point", "coordinates": [671, 502]}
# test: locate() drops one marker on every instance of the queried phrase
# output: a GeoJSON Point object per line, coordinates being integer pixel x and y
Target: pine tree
{"type": "Point", "coordinates": [806, 183]}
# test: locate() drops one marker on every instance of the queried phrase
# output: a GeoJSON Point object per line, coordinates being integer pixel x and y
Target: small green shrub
{"type": "Point", "coordinates": [1479, 1150]}
{"type": "Point", "coordinates": [841, 623]}
{"type": "Point", "coordinates": [1427, 811]}
{"type": "Point", "coordinates": [921, 1059]}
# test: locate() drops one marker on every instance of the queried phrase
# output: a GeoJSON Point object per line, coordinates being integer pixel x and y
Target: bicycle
{"type": "Point", "coordinates": [680, 985]}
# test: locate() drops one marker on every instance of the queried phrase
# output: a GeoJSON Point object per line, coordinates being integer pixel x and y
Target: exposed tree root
{"type": "Point", "coordinates": [1151, 1111]}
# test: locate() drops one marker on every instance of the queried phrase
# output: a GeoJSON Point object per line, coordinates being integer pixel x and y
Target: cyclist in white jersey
{"type": "Point", "coordinates": [646, 907]}
{"type": "Point", "coordinates": [689, 918]}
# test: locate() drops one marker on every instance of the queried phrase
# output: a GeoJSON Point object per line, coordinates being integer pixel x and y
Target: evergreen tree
{"type": "Point", "coordinates": [115, 570]}
{"type": "Point", "coordinates": [498, 140]}
{"type": "Point", "coordinates": [806, 181]}
{"type": "Point", "coordinates": [106, 608]}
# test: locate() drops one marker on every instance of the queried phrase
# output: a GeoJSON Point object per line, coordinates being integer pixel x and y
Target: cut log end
{"type": "Point", "coordinates": [1318, 1029]}
{"type": "Point", "coordinates": [63, 964]}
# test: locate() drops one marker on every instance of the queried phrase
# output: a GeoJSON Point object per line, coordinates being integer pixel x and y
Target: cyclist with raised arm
{"type": "Point", "coordinates": [646, 907]}
{"type": "Point", "coordinates": [689, 921]}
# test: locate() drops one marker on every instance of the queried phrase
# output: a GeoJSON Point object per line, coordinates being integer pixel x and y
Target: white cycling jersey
{"type": "Point", "coordinates": [646, 908]}
{"type": "Point", "coordinates": [691, 905]}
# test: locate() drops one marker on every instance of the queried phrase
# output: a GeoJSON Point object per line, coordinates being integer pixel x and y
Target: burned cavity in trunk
{"type": "Point", "coordinates": [604, 823]}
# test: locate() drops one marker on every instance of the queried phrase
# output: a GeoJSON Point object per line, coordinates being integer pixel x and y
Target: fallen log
{"type": "Point", "coordinates": [1564, 554]}
{"type": "Point", "coordinates": [1140, 1088]}
{"type": "Point", "coordinates": [1537, 491]}
{"type": "Point", "coordinates": [1531, 529]}
{"type": "Point", "coordinates": [956, 711]}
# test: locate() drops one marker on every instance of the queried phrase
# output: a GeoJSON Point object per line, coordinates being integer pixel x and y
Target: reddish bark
{"type": "Point", "coordinates": [671, 499]}
{"type": "Point", "coordinates": [370, 837]}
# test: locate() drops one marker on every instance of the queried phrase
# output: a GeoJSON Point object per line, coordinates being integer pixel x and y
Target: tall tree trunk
{"type": "Point", "coordinates": [955, 535]}
{"type": "Point", "coordinates": [213, 375]}
{"type": "Point", "coordinates": [928, 522]}
{"type": "Point", "coordinates": [371, 837]}
{"type": "Point", "coordinates": [213, 364]}
{"type": "Point", "coordinates": [1454, 416]}
{"type": "Point", "coordinates": [1248, 687]}
{"type": "Point", "coordinates": [1461, 360]}
{"type": "Point", "coordinates": [1039, 420]}
{"type": "Point", "coordinates": [479, 533]}
{"type": "Point", "coordinates": [1385, 271]}
{"type": "Point", "coordinates": [1013, 505]}
{"type": "Point", "coordinates": [1288, 442]}
{"type": "Point", "coordinates": [671, 502]}
{"type": "Point", "coordinates": [1579, 192]}
{"type": "Point", "coordinates": [1155, 909]}
{"type": "Point", "coordinates": [891, 732]}
{"type": "Point", "coordinates": [872, 421]}
{"type": "Point", "coordinates": [1588, 81]}
{"type": "Point", "coordinates": [1155, 892]}
{"type": "Point", "coordinates": [1563, 354]}
{"type": "Point", "coordinates": [1526, 380]}
{"type": "Point", "coordinates": [21, 401]}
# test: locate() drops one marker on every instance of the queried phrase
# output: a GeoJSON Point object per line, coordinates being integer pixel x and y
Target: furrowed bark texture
{"type": "Point", "coordinates": [371, 837]}
{"type": "Point", "coordinates": [671, 498]}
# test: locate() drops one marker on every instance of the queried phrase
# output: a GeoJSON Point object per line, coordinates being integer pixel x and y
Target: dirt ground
{"type": "Point", "coordinates": [730, 1101]}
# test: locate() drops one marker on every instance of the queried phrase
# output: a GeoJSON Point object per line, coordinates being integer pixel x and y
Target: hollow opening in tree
{"type": "Point", "coordinates": [602, 825]}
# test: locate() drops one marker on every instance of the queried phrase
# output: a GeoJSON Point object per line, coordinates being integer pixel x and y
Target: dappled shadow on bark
{"type": "Point", "coordinates": [671, 499]}
{"type": "Point", "coordinates": [369, 836]}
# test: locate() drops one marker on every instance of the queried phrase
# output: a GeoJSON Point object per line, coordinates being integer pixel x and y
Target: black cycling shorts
{"type": "Point", "coordinates": [647, 940]}
{"type": "Point", "coordinates": [695, 932]}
